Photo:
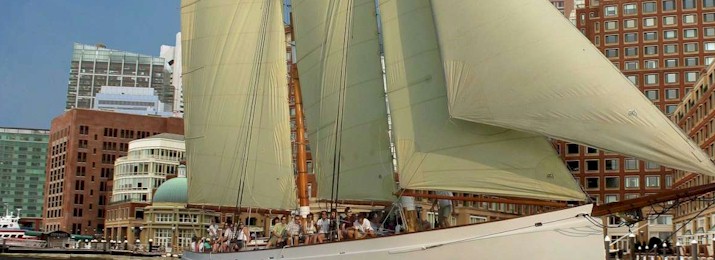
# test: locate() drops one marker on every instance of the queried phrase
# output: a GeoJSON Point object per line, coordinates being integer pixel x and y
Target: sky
{"type": "Point", "coordinates": [36, 38]}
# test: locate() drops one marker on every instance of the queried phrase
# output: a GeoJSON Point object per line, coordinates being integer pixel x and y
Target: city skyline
{"type": "Point", "coordinates": [37, 39]}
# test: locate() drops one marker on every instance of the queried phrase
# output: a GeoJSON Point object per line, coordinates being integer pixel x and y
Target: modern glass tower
{"type": "Point", "coordinates": [96, 66]}
{"type": "Point", "coordinates": [23, 153]}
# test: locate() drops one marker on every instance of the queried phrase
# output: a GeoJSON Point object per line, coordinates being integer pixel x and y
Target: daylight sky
{"type": "Point", "coordinates": [36, 38]}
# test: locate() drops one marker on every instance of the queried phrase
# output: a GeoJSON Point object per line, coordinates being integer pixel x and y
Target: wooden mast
{"type": "Point", "coordinates": [300, 158]}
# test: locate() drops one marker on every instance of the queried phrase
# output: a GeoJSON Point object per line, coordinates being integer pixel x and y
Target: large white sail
{"type": "Point", "coordinates": [344, 98]}
{"type": "Point", "coordinates": [235, 90]}
{"type": "Point", "coordinates": [547, 78]}
{"type": "Point", "coordinates": [435, 151]}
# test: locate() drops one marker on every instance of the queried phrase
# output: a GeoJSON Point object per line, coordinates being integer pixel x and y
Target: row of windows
{"type": "Point", "coordinates": [652, 50]}
{"type": "Point", "coordinates": [653, 7]}
{"type": "Point", "coordinates": [668, 35]}
{"type": "Point", "coordinates": [609, 165]}
{"type": "Point", "coordinates": [629, 182]}
{"type": "Point", "coordinates": [651, 22]}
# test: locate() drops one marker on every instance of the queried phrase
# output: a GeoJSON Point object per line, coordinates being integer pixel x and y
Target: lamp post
{"type": "Point", "coordinates": [665, 245]}
{"type": "Point", "coordinates": [632, 246]}
{"type": "Point", "coordinates": [694, 249]}
{"type": "Point", "coordinates": [126, 244]}
{"type": "Point", "coordinates": [677, 250]}
{"type": "Point", "coordinates": [173, 238]}
{"type": "Point", "coordinates": [151, 241]}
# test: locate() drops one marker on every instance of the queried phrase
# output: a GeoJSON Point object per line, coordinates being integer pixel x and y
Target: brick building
{"type": "Point", "coordinates": [80, 164]}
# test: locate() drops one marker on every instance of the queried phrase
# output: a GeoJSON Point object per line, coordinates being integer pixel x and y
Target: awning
{"type": "Point", "coordinates": [81, 237]}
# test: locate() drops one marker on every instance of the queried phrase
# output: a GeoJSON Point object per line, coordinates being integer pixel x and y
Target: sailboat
{"type": "Point", "coordinates": [470, 95]}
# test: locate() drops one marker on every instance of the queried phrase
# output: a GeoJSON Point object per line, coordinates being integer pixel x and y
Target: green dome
{"type": "Point", "coordinates": [172, 191]}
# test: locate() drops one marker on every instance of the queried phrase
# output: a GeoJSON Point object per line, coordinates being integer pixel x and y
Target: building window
{"type": "Point", "coordinates": [708, 3]}
{"type": "Point", "coordinates": [633, 79]}
{"type": "Point", "coordinates": [709, 60]}
{"type": "Point", "coordinates": [629, 24]}
{"type": "Point", "coordinates": [611, 198]}
{"type": "Point", "coordinates": [652, 94]}
{"type": "Point", "coordinates": [651, 79]}
{"type": "Point", "coordinates": [649, 7]}
{"type": "Point", "coordinates": [591, 150]}
{"type": "Point", "coordinates": [649, 22]}
{"type": "Point", "coordinates": [690, 47]}
{"type": "Point", "coordinates": [691, 76]}
{"type": "Point", "coordinates": [610, 10]}
{"type": "Point", "coordinates": [668, 181]}
{"type": "Point", "coordinates": [611, 25]}
{"type": "Point", "coordinates": [690, 33]}
{"type": "Point", "coordinates": [651, 64]}
{"type": "Point", "coordinates": [630, 37]}
{"type": "Point", "coordinates": [592, 183]}
{"type": "Point", "coordinates": [671, 93]}
{"type": "Point", "coordinates": [688, 4]}
{"type": "Point", "coordinates": [630, 164]}
{"type": "Point", "coordinates": [670, 34]}
{"type": "Point", "coordinates": [631, 65]}
{"type": "Point", "coordinates": [572, 148]}
{"type": "Point", "coordinates": [691, 62]}
{"type": "Point", "coordinates": [612, 53]}
{"type": "Point", "coordinates": [650, 50]}
{"type": "Point", "coordinates": [669, 109]}
{"type": "Point", "coordinates": [652, 181]}
{"type": "Point", "coordinates": [709, 17]}
{"type": "Point", "coordinates": [612, 39]}
{"type": "Point", "coordinates": [670, 63]}
{"type": "Point", "coordinates": [670, 48]}
{"type": "Point", "coordinates": [612, 183]}
{"type": "Point", "coordinates": [668, 5]}
{"type": "Point", "coordinates": [709, 46]}
{"type": "Point", "coordinates": [669, 79]}
{"type": "Point", "coordinates": [573, 166]}
{"type": "Point", "coordinates": [592, 165]}
{"type": "Point", "coordinates": [652, 165]}
{"type": "Point", "coordinates": [668, 20]}
{"type": "Point", "coordinates": [650, 36]}
{"type": "Point", "coordinates": [709, 32]}
{"type": "Point", "coordinates": [630, 196]}
{"type": "Point", "coordinates": [632, 182]}
{"type": "Point", "coordinates": [629, 9]}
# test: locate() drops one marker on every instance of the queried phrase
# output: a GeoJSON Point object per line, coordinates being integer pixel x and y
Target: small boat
{"type": "Point", "coordinates": [11, 235]}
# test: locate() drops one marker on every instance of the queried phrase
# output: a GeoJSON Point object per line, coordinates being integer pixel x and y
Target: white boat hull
{"type": "Point", "coordinates": [23, 242]}
{"type": "Point", "coordinates": [564, 234]}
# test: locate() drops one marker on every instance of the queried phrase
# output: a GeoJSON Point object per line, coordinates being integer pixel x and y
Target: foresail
{"type": "Point", "coordinates": [236, 118]}
{"type": "Point", "coordinates": [521, 65]}
{"type": "Point", "coordinates": [341, 80]}
{"type": "Point", "coordinates": [435, 151]}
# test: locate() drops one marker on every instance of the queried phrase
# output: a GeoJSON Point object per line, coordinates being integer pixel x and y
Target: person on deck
{"type": "Point", "coordinates": [445, 209]}
{"type": "Point", "coordinates": [294, 230]}
{"type": "Point", "coordinates": [334, 231]}
{"type": "Point", "coordinates": [323, 227]}
{"type": "Point", "coordinates": [362, 228]}
{"type": "Point", "coordinates": [227, 237]}
{"type": "Point", "coordinates": [311, 231]}
{"type": "Point", "coordinates": [277, 233]}
{"type": "Point", "coordinates": [243, 236]}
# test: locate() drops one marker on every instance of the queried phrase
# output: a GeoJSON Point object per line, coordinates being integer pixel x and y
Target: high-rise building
{"type": "Point", "coordinates": [661, 47]}
{"type": "Point", "coordinates": [564, 6]}
{"type": "Point", "coordinates": [172, 55]}
{"type": "Point", "coordinates": [131, 100]}
{"type": "Point", "coordinates": [96, 66]}
{"type": "Point", "coordinates": [23, 154]}
{"type": "Point", "coordinates": [83, 147]}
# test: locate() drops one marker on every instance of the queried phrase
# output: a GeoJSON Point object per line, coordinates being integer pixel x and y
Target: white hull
{"type": "Point", "coordinates": [563, 234]}
{"type": "Point", "coordinates": [23, 242]}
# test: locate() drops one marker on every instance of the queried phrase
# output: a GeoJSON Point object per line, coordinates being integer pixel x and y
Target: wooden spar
{"type": "Point", "coordinates": [300, 157]}
{"type": "Point", "coordinates": [495, 200]}
{"type": "Point", "coordinates": [358, 202]}
{"type": "Point", "coordinates": [234, 209]}
{"type": "Point", "coordinates": [637, 203]}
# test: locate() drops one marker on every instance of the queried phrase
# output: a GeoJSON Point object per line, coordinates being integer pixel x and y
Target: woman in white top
{"type": "Point", "coordinates": [311, 232]}
{"type": "Point", "coordinates": [243, 236]}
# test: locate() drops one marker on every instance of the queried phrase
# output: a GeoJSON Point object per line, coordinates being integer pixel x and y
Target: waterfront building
{"type": "Point", "coordinates": [136, 177]}
{"type": "Point", "coordinates": [695, 220]}
{"type": "Point", "coordinates": [95, 66]}
{"type": "Point", "coordinates": [83, 147]}
{"type": "Point", "coordinates": [23, 155]}
{"type": "Point", "coordinates": [131, 100]}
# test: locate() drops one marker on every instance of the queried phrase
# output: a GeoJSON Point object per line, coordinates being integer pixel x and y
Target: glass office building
{"type": "Point", "coordinates": [23, 153]}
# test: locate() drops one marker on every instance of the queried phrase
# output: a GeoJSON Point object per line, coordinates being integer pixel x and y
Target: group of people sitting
{"type": "Point", "coordinates": [232, 239]}
{"type": "Point", "coordinates": [289, 231]}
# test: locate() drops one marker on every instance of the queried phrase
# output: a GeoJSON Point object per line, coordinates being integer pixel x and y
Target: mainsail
{"type": "Point", "coordinates": [546, 78]}
{"type": "Point", "coordinates": [344, 99]}
{"type": "Point", "coordinates": [237, 122]}
{"type": "Point", "coordinates": [436, 151]}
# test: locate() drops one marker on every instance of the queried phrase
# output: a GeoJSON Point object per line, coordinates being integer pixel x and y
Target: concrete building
{"type": "Point", "coordinates": [83, 147]}
{"type": "Point", "coordinates": [564, 6]}
{"type": "Point", "coordinates": [695, 220]}
{"type": "Point", "coordinates": [172, 55]}
{"type": "Point", "coordinates": [130, 100]}
{"type": "Point", "coordinates": [23, 155]}
{"type": "Point", "coordinates": [136, 177]}
{"type": "Point", "coordinates": [95, 66]}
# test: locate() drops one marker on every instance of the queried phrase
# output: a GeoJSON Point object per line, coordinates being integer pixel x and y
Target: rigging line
{"type": "Point", "coordinates": [255, 78]}
{"type": "Point", "coordinates": [690, 220]}
{"type": "Point", "coordinates": [323, 53]}
{"type": "Point", "coordinates": [343, 90]}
